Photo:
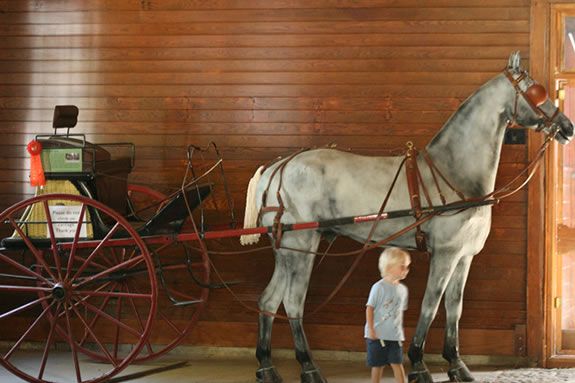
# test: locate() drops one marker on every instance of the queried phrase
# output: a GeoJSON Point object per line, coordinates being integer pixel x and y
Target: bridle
{"type": "Point", "coordinates": [535, 95]}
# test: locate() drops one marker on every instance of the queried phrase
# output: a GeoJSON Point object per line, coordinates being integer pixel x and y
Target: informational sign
{"type": "Point", "coordinates": [61, 215]}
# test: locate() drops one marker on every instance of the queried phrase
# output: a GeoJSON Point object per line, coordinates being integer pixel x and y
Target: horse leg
{"type": "Point", "coordinates": [300, 266]}
{"type": "Point", "coordinates": [441, 267]}
{"type": "Point", "coordinates": [268, 304]}
{"type": "Point", "coordinates": [458, 371]}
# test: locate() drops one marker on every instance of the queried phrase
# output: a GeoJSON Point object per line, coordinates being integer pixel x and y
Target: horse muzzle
{"type": "Point", "coordinates": [561, 129]}
{"type": "Point", "coordinates": [564, 132]}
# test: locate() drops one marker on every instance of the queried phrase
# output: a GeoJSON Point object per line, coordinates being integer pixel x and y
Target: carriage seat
{"type": "Point", "coordinates": [99, 171]}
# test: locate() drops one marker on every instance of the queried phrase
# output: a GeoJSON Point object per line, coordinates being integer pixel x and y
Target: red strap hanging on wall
{"type": "Point", "coordinates": [37, 177]}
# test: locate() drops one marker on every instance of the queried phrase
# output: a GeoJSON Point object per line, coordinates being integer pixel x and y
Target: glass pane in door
{"type": "Point", "coordinates": [569, 44]}
{"type": "Point", "coordinates": [566, 231]}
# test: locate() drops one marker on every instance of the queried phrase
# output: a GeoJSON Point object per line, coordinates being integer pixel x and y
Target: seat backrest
{"type": "Point", "coordinates": [65, 116]}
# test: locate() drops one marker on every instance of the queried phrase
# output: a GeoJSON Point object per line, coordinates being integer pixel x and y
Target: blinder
{"type": "Point", "coordinates": [535, 95]}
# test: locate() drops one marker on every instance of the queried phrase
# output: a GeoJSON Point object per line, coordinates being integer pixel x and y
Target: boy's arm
{"type": "Point", "coordinates": [369, 320]}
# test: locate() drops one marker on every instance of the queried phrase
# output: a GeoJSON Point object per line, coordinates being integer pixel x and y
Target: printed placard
{"type": "Point", "coordinates": [60, 215]}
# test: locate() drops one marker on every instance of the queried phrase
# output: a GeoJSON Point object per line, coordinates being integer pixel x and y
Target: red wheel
{"type": "Point", "coordinates": [62, 289]}
{"type": "Point", "coordinates": [173, 321]}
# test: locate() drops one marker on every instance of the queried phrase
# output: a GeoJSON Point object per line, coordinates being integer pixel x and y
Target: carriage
{"type": "Point", "coordinates": [102, 267]}
{"type": "Point", "coordinates": [76, 247]}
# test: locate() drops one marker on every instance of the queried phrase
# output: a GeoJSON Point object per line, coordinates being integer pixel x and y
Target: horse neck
{"type": "Point", "coordinates": [468, 147]}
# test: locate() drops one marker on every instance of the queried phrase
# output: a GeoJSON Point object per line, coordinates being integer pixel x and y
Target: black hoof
{"type": "Point", "coordinates": [458, 372]}
{"type": "Point", "coordinates": [268, 375]}
{"type": "Point", "coordinates": [312, 376]}
{"type": "Point", "coordinates": [421, 376]}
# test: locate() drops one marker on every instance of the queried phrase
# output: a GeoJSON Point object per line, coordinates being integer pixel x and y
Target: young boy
{"type": "Point", "coordinates": [384, 315]}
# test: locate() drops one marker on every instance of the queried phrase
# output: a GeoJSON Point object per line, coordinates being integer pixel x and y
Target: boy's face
{"type": "Point", "coordinates": [399, 270]}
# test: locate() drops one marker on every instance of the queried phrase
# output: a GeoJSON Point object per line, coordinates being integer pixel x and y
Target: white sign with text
{"type": "Point", "coordinates": [62, 214]}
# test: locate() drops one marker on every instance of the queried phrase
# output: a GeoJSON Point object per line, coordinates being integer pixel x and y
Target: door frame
{"type": "Point", "coordinates": [541, 264]}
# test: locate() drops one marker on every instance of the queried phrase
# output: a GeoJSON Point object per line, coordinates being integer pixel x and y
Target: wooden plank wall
{"type": "Point", "coordinates": [261, 79]}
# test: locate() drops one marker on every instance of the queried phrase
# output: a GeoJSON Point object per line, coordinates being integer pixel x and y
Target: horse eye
{"type": "Point", "coordinates": [536, 94]}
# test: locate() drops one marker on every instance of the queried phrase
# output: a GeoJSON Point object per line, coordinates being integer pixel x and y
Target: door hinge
{"type": "Point", "coordinates": [557, 302]}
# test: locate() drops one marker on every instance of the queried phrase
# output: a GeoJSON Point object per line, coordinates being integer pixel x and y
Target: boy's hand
{"type": "Point", "coordinates": [372, 334]}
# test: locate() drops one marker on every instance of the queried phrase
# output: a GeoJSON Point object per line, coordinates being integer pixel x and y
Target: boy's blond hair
{"type": "Point", "coordinates": [389, 257]}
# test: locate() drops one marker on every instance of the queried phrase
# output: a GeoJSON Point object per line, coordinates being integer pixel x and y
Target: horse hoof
{"type": "Point", "coordinates": [312, 376]}
{"type": "Point", "coordinates": [458, 372]}
{"type": "Point", "coordinates": [268, 375]}
{"type": "Point", "coordinates": [420, 377]}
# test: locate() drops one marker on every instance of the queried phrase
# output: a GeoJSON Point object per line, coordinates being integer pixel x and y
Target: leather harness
{"type": "Point", "coordinates": [415, 184]}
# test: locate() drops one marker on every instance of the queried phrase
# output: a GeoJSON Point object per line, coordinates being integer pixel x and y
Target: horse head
{"type": "Point", "coordinates": [532, 107]}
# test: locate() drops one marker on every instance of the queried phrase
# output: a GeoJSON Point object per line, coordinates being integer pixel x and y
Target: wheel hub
{"type": "Point", "coordinates": [59, 292]}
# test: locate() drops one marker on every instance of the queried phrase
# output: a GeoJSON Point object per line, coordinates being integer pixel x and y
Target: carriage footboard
{"type": "Point", "coordinates": [171, 217]}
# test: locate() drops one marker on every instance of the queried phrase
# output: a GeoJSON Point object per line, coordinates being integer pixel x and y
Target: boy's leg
{"type": "Point", "coordinates": [398, 373]}
{"type": "Point", "coordinates": [376, 373]}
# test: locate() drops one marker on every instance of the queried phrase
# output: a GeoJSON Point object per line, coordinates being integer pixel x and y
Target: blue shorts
{"type": "Point", "coordinates": [378, 355]}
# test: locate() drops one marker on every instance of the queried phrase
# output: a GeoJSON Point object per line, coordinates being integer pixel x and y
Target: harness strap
{"type": "Point", "coordinates": [277, 231]}
{"type": "Point", "coordinates": [431, 167]}
{"type": "Point", "coordinates": [423, 187]}
{"type": "Point", "coordinates": [434, 169]}
{"type": "Point", "coordinates": [413, 177]}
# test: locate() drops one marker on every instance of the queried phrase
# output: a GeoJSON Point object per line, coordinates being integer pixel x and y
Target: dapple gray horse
{"type": "Point", "coordinates": [325, 183]}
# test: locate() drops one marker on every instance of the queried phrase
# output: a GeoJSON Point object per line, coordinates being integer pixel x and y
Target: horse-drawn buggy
{"type": "Point", "coordinates": [90, 258]}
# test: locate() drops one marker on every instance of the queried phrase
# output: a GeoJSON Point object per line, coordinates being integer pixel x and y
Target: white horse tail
{"type": "Point", "coordinates": [251, 213]}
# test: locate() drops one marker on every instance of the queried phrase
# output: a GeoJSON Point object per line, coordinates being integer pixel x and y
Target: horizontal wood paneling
{"type": "Point", "coordinates": [255, 40]}
{"type": "Point", "coordinates": [261, 79]}
{"type": "Point", "coordinates": [250, 65]}
{"type": "Point", "coordinates": [178, 5]}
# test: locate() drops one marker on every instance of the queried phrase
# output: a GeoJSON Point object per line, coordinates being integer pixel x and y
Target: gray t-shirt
{"type": "Point", "coordinates": [389, 302]}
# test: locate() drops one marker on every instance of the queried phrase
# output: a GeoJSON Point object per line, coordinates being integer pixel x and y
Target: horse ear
{"type": "Point", "coordinates": [514, 61]}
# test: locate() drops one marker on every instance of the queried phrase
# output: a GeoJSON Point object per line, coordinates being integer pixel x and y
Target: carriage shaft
{"type": "Point", "coordinates": [185, 237]}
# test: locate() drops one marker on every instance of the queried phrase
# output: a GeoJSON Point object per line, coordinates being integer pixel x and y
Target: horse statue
{"type": "Point", "coordinates": [323, 184]}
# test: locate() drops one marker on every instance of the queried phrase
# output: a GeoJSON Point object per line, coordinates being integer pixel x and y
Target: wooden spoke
{"type": "Point", "coordinates": [138, 318]}
{"type": "Point", "coordinates": [112, 319]}
{"type": "Point", "coordinates": [25, 289]}
{"type": "Point", "coordinates": [30, 328]}
{"type": "Point", "coordinates": [37, 253]}
{"type": "Point", "coordinates": [24, 269]}
{"type": "Point", "coordinates": [72, 346]}
{"type": "Point", "coordinates": [101, 245]}
{"type": "Point", "coordinates": [87, 328]}
{"type": "Point", "coordinates": [52, 239]}
{"type": "Point", "coordinates": [73, 249]}
{"type": "Point", "coordinates": [23, 307]}
{"type": "Point", "coordinates": [112, 294]}
{"type": "Point", "coordinates": [96, 317]}
{"type": "Point", "coordinates": [118, 316]}
{"type": "Point", "coordinates": [129, 263]}
{"type": "Point", "coordinates": [54, 320]}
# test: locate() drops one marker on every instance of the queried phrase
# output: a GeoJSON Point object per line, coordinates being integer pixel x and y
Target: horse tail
{"type": "Point", "coordinates": [251, 213]}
